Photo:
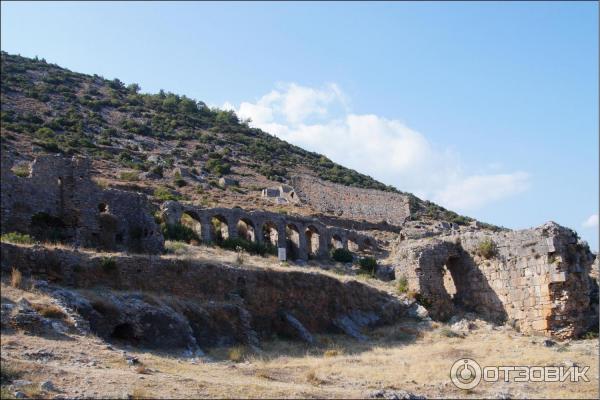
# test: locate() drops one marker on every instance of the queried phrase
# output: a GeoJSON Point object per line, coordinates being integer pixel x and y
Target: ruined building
{"type": "Point", "coordinates": [538, 280]}
{"type": "Point", "coordinates": [59, 201]}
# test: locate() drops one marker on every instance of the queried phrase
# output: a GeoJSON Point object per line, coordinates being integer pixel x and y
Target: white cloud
{"type": "Point", "coordinates": [478, 190]}
{"type": "Point", "coordinates": [319, 119]}
{"type": "Point", "coordinates": [591, 222]}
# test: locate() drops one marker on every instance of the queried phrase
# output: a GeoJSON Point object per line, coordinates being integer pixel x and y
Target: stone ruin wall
{"type": "Point", "coordinates": [350, 202]}
{"type": "Point", "coordinates": [61, 191]}
{"type": "Point", "coordinates": [326, 236]}
{"type": "Point", "coordinates": [537, 280]}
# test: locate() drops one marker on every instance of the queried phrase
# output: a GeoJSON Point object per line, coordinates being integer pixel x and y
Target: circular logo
{"type": "Point", "coordinates": [465, 373]}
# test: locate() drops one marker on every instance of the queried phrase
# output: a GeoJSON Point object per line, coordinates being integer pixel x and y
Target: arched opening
{"type": "Point", "coordinates": [353, 246]}
{"type": "Point", "coordinates": [124, 332]}
{"type": "Point", "coordinates": [103, 207]}
{"type": "Point", "coordinates": [220, 229]}
{"type": "Point", "coordinates": [448, 281]}
{"type": "Point", "coordinates": [336, 242]}
{"type": "Point", "coordinates": [245, 230]}
{"type": "Point", "coordinates": [192, 222]}
{"type": "Point", "coordinates": [368, 246]}
{"type": "Point", "coordinates": [269, 234]}
{"type": "Point", "coordinates": [312, 241]}
{"type": "Point", "coordinates": [292, 236]}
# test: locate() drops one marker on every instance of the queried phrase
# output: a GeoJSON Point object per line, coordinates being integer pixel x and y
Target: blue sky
{"type": "Point", "coordinates": [490, 109]}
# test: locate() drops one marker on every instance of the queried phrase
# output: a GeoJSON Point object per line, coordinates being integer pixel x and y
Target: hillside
{"type": "Point", "coordinates": [151, 142]}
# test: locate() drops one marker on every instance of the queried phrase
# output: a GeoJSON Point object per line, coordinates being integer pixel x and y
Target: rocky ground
{"type": "Point", "coordinates": [412, 357]}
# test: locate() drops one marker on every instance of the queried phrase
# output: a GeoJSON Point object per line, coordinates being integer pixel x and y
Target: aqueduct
{"type": "Point", "coordinates": [302, 237]}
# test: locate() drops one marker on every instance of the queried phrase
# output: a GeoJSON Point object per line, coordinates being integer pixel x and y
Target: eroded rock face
{"type": "Point", "coordinates": [537, 279]}
{"type": "Point", "coordinates": [185, 303]}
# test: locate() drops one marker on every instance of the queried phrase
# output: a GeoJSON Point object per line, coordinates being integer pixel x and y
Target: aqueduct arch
{"type": "Point", "coordinates": [302, 237]}
{"type": "Point", "coordinates": [246, 229]}
{"type": "Point", "coordinates": [313, 241]}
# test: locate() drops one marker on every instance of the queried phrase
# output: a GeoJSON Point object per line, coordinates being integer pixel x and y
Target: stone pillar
{"type": "Point", "coordinates": [302, 243]}
{"type": "Point", "coordinates": [206, 228]}
{"type": "Point", "coordinates": [281, 239]}
{"type": "Point", "coordinates": [258, 231]}
{"type": "Point", "coordinates": [345, 242]}
{"type": "Point", "coordinates": [323, 241]}
{"type": "Point", "coordinates": [232, 227]}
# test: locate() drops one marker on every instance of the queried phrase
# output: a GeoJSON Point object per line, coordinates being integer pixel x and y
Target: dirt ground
{"type": "Point", "coordinates": [412, 356]}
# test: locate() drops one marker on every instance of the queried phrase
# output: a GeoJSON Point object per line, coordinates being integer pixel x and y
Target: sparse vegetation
{"type": "Point", "coordinates": [368, 265]}
{"type": "Point", "coordinates": [178, 232]}
{"type": "Point", "coordinates": [21, 170]}
{"type": "Point", "coordinates": [129, 176]}
{"type": "Point", "coordinates": [108, 264]}
{"type": "Point", "coordinates": [16, 237]}
{"type": "Point", "coordinates": [486, 248]}
{"type": "Point", "coordinates": [246, 245]}
{"type": "Point", "coordinates": [237, 353]}
{"type": "Point", "coordinates": [342, 255]}
{"type": "Point", "coordinates": [49, 310]}
{"type": "Point", "coordinates": [163, 193]}
{"type": "Point", "coordinates": [402, 285]}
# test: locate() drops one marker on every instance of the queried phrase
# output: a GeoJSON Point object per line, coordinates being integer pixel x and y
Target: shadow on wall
{"type": "Point", "coordinates": [454, 282]}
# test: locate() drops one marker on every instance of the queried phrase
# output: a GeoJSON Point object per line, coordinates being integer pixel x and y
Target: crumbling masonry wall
{"type": "Point", "coordinates": [60, 195]}
{"type": "Point", "coordinates": [352, 203]}
{"type": "Point", "coordinates": [537, 279]}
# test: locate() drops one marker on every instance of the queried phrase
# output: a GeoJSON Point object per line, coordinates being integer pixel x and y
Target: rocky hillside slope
{"type": "Point", "coordinates": [166, 145]}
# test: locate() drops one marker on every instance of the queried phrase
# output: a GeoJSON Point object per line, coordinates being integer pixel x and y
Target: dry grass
{"type": "Point", "coordinates": [16, 278]}
{"type": "Point", "coordinates": [333, 352]}
{"type": "Point", "coordinates": [237, 353]}
{"type": "Point", "coordinates": [49, 310]}
{"type": "Point", "coordinates": [141, 369]}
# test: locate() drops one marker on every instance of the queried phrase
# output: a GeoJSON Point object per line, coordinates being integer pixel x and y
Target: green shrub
{"type": "Point", "coordinates": [178, 232]}
{"type": "Point", "coordinates": [402, 286]}
{"type": "Point", "coordinates": [164, 194]}
{"type": "Point", "coordinates": [487, 248]}
{"type": "Point", "coordinates": [179, 182]}
{"type": "Point", "coordinates": [368, 265]}
{"type": "Point", "coordinates": [16, 237]}
{"type": "Point", "coordinates": [108, 264]}
{"type": "Point", "coordinates": [446, 332]}
{"type": "Point", "coordinates": [129, 176]}
{"type": "Point", "coordinates": [157, 170]}
{"type": "Point", "coordinates": [248, 246]}
{"type": "Point", "coordinates": [342, 255]}
{"type": "Point", "coordinates": [21, 170]}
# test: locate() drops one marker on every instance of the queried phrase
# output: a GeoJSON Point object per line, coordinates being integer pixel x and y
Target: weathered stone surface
{"type": "Point", "coordinates": [60, 199]}
{"type": "Point", "coordinates": [213, 304]}
{"type": "Point", "coordinates": [537, 279]}
{"type": "Point", "coordinates": [350, 202]}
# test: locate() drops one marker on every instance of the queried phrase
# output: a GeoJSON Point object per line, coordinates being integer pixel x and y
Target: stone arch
{"type": "Point", "coordinates": [313, 241]}
{"type": "Point", "coordinates": [219, 228]}
{"type": "Point", "coordinates": [353, 245]}
{"type": "Point", "coordinates": [246, 230]}
{"type": "Point", "coordinates": [192, 221]}
{"type": "Point", "coordinates": [336, 241]}
{"type": "Point", "coordinates": [270, 233]}
{"type": "Point", "coordinates": [292, 235]}
{"type": "Point", "coordinates": [367, 245]}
